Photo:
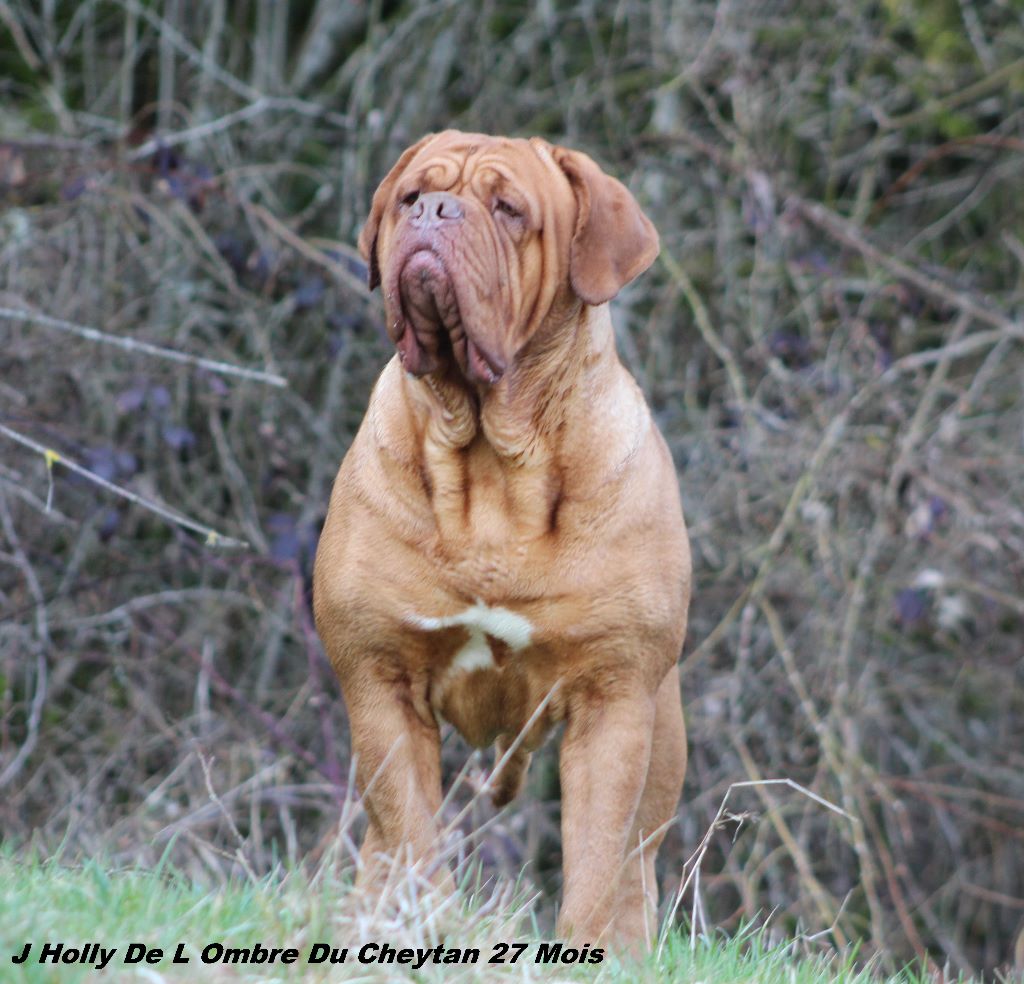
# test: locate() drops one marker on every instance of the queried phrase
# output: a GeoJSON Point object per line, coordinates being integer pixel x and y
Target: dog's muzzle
{"type": "Point", "coordinates": [430, 329]}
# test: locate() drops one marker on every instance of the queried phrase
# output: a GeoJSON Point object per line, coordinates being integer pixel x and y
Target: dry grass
{"type": "Point", "coordinates": [831, 343]}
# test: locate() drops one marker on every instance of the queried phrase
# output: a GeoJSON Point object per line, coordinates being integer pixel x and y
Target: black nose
{"type": "Point", "coordinates": [435, 209]}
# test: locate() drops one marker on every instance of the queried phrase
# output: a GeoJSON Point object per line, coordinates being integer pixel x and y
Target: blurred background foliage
{"type": "Point", "coordinates": [831, 343]}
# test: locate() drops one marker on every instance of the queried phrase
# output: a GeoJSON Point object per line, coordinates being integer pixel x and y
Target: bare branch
{"type": "Point", "coordinates": [213, 538]}
{"type": "Point", "coordinates": [131, 345]}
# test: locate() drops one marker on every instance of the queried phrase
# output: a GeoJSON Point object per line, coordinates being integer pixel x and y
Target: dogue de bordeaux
{"type": "Point", "coordinates": [505, 547]}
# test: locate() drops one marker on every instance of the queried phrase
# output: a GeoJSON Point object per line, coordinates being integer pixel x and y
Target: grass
{"type": "Point", "coordinates": [135, 911]}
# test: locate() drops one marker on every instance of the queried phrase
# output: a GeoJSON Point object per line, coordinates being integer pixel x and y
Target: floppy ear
{"type": "Point", "coordinates": [613, 241]}
{"type": "Point", "coordinates": [381, 199]}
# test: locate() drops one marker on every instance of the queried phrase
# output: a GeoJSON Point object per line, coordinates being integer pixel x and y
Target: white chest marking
{"type": "Point", "coordinates": [511, 628]}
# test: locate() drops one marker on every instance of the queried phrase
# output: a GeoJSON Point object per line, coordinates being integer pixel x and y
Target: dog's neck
{"type": "Point", "coordinates": [520, 416]}
{"type": "Point", "coordinates": [561, 423]}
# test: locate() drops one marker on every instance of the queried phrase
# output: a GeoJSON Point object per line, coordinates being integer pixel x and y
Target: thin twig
{"type": "Point", "coordinates": [35, 714]}
{"type": "Point", "coordinates": [849, 234]}
{"type": "Point", "coordinates": [705, 327]}
{"type": "Point", "coordinates": [213, 537]}
{"type": "Point", "coordinates": [261, 105]}
{"type": "Point", "coordinates": [309, 251]}
{"type": "Point", "coordinates": [176, 39]}
{"type": "Point", "coordinates": [239, 850]}
{"type": "Point", "coordinates": [829, 441]}
{"type": "Point", "coordinates": [133, 345]}
{"type": "Point", "coordinates": [691, 868]}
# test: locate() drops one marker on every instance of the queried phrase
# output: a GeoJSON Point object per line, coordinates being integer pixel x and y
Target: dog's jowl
{"type": "Point", "coordinates": [505, 548]}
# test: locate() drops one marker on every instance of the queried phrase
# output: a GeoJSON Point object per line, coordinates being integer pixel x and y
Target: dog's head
{"type": "Point", "coordinates": [476, 239]}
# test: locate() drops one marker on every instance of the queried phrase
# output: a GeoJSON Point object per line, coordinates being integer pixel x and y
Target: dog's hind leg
{"type": "Point", "coordinates": [507, 781]}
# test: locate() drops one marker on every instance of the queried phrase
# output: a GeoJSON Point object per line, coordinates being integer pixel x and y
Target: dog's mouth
{"type": "Point", "coordinates": [429, 331]}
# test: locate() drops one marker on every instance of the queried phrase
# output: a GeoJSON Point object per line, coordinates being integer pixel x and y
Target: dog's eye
{"type": "Point", "coordinates": [500, 205]}
{"type": "Point", "coordinates": [410, 199]}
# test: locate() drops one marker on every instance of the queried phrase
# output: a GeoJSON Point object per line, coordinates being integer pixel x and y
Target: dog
{"type": "Point", "coordinates": [505, 548]}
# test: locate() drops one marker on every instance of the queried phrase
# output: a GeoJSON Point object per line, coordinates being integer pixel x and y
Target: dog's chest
{"type": "Point", "coordinates": [489, 629]}
{"type": "Point", "coordinates": [484, 503]}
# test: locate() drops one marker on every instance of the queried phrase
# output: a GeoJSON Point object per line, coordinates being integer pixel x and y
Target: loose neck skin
{"type": "Point", "coordinates": [523, 413]}
{"type": "Point", "coordinates": [557, 426]}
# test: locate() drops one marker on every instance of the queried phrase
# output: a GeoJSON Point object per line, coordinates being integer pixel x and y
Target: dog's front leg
{"type": "Point", "coordinates": [398, 772]}
{"type": "Point", "coordinates": [604, 760]}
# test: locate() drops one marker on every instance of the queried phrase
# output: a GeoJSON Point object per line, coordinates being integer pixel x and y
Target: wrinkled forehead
{"type": "Point", "coordinates": [453, 161]}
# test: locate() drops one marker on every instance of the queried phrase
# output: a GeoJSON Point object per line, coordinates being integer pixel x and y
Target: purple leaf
{"type": "Point", "coordinates": [74, 188]}
{"type": "Point", "coordinates": [285, 547]}
{"type": "Point", "coordinates": [356, 267]}
{"type": "Point", "coordinates": [280, 522]}
{"type": "Point", "coordinates": [216, 384]}
{"type": "Point", "coordinates": [159, 398]}
{"type": "Point", "coordinates": [310, 292]}
{"type": "Point", "coordinates": [110, 463]}
{"type": "Point", "coordinates": [165, 160]}
{"type": "Point", "coordinates": [179, 438]}
{"type": "Point", "coordinates": [911, 607]}
{"type": "Point", "coordinates": [230, 247]}
{"type": "Point", "coordinates": [131, 399]}
{"type": "Point", "coordinates": [284, 544]}
{"type": "Point", "coordinates": [102, 462]}
{"type": "Point", "coordinates": [337, 342]}
{"type": "Point", "coordinates": [127, 464]}
{"type": "Point", "coordinates": [790, 347]}
{"type": "Point", "coordinates": [261, 264]}
{"type": "Point", "coordinates": [109, 523]}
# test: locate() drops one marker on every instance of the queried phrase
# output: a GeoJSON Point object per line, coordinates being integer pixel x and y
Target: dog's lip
{"type": "Point", "coordinates": [477, 364]}
{"type": "Point", "coordinates": [425, 262]}
{"type": "Point", "coordinates": [410, 327]}
{"type": "Point", "coordinates": [482, 367]}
